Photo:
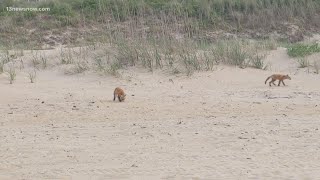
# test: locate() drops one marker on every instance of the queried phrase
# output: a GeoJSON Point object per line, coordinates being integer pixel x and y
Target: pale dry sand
{"type": "Point", "coordinates": [224, 124]}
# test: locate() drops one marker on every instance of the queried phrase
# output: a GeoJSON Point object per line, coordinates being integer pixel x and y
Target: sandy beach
{"type": "Point", "coordinates": [221, 124]}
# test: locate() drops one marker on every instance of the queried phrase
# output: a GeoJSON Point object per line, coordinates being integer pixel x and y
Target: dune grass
{"type": "Point", "coordinates": [302, 50]}
{"type": "Point", "coordinates": [303, 62]}
{"type": "Point", "coordinates": [12, 73]}
{"type": "Point", "coordinates": [155, 34]}
{"type": "Point", "coordinates": [316, 66]}
{"type": "Point", "coordinates": [32, 75]}
{"type": "Point", "coordinates": [151, 18]}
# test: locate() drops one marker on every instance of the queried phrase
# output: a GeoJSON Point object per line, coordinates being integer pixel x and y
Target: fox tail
{"type": "Point", "coordinates": [267, 80]}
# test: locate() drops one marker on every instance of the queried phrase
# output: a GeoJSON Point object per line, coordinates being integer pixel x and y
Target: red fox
{"type": "Point", "coordinates": [118, 92]}
{"type": "Point", "coordinates": [279, 77]}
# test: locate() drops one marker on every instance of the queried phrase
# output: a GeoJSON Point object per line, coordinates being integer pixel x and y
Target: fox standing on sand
{"type": "Point", "coordinates": [279, 77]}
{"type": "Point", "coordinates": [118, 92]}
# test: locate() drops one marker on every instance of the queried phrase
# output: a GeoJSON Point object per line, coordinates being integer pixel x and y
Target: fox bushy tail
{"type": "Point", "coordinates": [267, 80]}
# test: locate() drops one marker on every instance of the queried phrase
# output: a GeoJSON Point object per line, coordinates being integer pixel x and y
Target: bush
{"type": "Point", "coordinates": [302, 50]}
{"type": "Point", "coordinates": [257, 62]}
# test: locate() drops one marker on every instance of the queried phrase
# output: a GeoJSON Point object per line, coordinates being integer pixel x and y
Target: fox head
{"type": "Point", "coordinates": [288, 77]}
{"type": "Point", "coordinates": [123, 97]}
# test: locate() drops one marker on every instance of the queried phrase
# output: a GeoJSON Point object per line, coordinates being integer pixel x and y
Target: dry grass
{"type": "Point", "coordinates": [1, 67]}
{"type": "Point", "coordinates": [161, 34]}
{"type": "Point", "coordinates": [171, 55]}
{"type": "Point", "coordinates": [149, 18]}
{"type": "Point", "coordinates": [303, 62]}
{"type": "Point", "coordinates": [316, 66]}
{"type": "Point", "coordinates": [32, 75]}
{"type": "Point", "coordinates": [36, 61]}
{"type": "Point", "coordinates": [258, 62]}
{"type": "Point", "coordinates": [12, 73]}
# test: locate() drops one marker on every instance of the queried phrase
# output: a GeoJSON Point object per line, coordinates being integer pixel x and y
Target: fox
{"type": "Point", "coordinates": [279, 77]}
{"type": "Point", "coordinates": [118, 92]}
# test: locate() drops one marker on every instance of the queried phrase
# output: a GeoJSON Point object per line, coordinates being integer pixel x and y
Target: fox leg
{"type": "Point", "coordinates": [114, 97]}
{"type": "Point", "coordinates": [279, 82]}
{"type": "Point", "coordinates": [272, 81]}
{"type": "Point", "coordinates": [119, 98]}
{"type": "Point", "coordinates": [283, 83]}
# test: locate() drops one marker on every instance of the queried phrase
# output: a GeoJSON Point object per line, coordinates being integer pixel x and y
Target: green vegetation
{"type": "Point", "coordinates": [179, 35]}
{"type": "Point", "coordinates": [182, 56]}
{"type": "Point", "coordinates": [151, 18]}
{"type": "Point", "coordinates": [205, 11]}
{"type": "Point", "coordinates": [1, 67]}
{"type": "Point", "coordinates": [302, 50]}
{"type": "Point", "coordinates": [12, 73]}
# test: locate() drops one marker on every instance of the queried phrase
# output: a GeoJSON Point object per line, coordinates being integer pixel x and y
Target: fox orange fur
{"type": "Point", "coordinates": [279, 77]}
{"type": "Point", "coordinates": [118, 92]}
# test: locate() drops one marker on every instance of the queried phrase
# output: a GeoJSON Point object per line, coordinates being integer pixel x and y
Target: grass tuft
{"type": "Point", "coordinates": [257, 62]}
{"type": "Point", "coordinates": [12, 73]}
{"type": "Point", "coordinates": [32, 75]}
{"type": "Point", "coordinates": [302, 50]}
{"type": "Point", "coordinates": [316, 66]}
{"type": "Point", "coordinates": [303, 62]}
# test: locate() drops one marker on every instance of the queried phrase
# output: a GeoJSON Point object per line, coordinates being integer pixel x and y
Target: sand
{"type": "Point", "coordinates": [222, 124]}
